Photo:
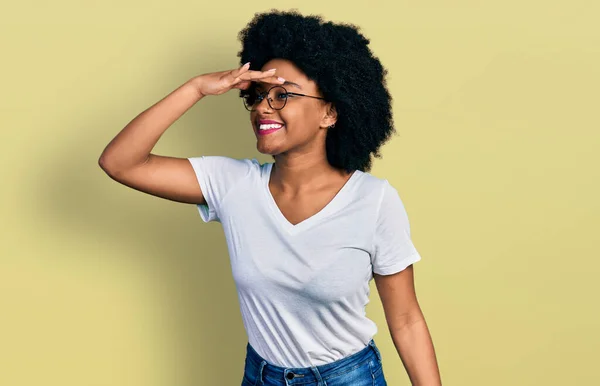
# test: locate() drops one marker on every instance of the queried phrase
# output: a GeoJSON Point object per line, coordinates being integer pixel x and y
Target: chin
{"type": "Point", "coordinates": [266, 150]}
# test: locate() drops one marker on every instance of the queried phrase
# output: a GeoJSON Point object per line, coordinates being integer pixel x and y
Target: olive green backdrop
{"type": "Point", "coordinates": [496, 159]}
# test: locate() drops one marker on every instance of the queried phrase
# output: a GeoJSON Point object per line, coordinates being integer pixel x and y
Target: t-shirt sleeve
{"type": "Point", "coordinates": [393, 249]}
{"type": "Point", "coordinates": [217, 176]}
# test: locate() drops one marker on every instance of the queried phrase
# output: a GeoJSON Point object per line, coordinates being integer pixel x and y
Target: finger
{"type": "Point", "coordinates": [255, 75]}
{"type": "Point", "coordinates": [235, 73]}
{"type": "Point", "coordinates": [272, 80]}
{"type": "Point", "coordinates": [242, 85]}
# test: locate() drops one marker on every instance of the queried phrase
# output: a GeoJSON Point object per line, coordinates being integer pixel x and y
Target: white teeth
{"type": "Point", "coordinates": [271, 126]}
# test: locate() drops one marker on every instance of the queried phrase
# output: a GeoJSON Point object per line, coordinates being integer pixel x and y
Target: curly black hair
{"type": "Point", "coordinates": [337, 58]}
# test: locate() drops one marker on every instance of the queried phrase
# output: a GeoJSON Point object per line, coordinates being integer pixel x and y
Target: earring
{"type": "Point", "coordinates": [332, 126]}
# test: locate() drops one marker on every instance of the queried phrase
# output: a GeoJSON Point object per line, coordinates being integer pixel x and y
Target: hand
{"type": "Point", "coordinates": [217, 83]}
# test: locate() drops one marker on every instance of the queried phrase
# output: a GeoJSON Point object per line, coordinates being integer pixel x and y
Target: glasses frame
{"type": "Point", "coordinates": [266, 93]}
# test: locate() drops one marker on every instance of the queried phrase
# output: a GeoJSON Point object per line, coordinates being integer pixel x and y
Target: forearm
{"type": "Point", "coordinates": [415, 347]}
{"type": "Point", "coordinates": [133, 144]}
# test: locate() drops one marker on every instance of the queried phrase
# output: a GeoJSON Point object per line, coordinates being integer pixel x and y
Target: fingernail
{"type": "Point", "coordinates": [273, 69]}
{"type": "Point", "coordinates": [281, 79]}
{"type": "Point", "coordinates": [246, 65]}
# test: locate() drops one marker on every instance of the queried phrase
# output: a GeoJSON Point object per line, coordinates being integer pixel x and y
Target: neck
{"type": "Point", "coordinates": [303, 174]}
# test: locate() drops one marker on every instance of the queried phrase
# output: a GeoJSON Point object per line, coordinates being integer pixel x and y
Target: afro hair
{"type": "Point", "coordinates": [337, 58]}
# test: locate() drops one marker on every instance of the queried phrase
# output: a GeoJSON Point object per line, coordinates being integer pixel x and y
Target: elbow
{"type": "Point", "coordinates": [102, 161]}
{"type": "Point", "coordinates": [114, 168]}
{"type": "Point", "coordinates": [105, 165]}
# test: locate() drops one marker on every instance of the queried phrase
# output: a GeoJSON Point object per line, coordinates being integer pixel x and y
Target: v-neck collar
{"type": "Point", "coordinates": [292, 229]}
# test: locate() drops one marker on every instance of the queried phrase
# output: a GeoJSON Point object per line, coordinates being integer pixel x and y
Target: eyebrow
{"type": "Point", "coordinates": [293, 84]}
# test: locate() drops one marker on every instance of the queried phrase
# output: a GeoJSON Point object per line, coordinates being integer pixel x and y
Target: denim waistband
{"type": "Point", "coordinates": [300, 375]}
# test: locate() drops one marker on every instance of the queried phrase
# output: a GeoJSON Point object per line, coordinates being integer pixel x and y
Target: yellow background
{"type": "Point", "coordinates": [497, 161]}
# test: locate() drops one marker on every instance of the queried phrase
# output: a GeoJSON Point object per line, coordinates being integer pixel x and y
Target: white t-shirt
{"type": "Point", "coordinates": [303, 288]}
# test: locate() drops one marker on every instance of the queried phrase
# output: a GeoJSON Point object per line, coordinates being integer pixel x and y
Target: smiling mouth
{"type": "Point", "coordinates": [268, 128]}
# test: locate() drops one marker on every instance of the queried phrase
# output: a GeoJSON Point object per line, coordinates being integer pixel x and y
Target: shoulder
{"type": "Point", "coordinates": [226, 165]}
{"type": "Point", "coordinates": [224, 160]}
{"type": "Point", "coordinates": [373, 185]}
{"type": "Point", "coordinates": [384, 197]}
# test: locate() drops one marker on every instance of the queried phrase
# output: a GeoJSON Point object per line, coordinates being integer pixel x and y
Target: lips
{"type": "Point", "coordinates": [266, 129]}
{"type": "Point", "coordinates": [268, 122]}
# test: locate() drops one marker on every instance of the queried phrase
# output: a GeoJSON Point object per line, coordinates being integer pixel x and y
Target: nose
{"type": "Point", "coordinates": [263, 105]}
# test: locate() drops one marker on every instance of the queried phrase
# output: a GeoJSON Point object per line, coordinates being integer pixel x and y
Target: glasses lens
{"type": "Point", "coordinates": [277, 98]}
{"type": "Point", "coordinates": [250, 99]}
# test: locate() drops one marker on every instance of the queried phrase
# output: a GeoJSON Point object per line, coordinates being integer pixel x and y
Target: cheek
{"type": "Point", "coordinates": [303, 118]}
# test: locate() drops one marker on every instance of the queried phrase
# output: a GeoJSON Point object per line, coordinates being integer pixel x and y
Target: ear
{"type": "Point", "coordinates": [331, 115]}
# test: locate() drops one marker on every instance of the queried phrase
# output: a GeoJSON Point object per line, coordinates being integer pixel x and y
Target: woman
{"type": "Point", "coordinates": [307, 232]}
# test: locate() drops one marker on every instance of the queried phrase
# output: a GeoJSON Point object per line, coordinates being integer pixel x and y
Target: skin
{"type": "Point", "coordinates": [407, 326]}
{"type": "Point", "coordinates": [303, 182]}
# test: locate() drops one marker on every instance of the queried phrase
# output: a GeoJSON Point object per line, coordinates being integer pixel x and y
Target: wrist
{"type": "Point", "coordinates": [195, 83]}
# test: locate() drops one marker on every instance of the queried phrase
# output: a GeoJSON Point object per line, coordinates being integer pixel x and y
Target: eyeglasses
{"type": "Point", "coordinates": [277, 97]}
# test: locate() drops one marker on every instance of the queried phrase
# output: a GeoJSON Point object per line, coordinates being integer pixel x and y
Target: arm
{"type": "Point", "coordinates": [127, 158]}
{"type": "Point", "coordinates": [407, 327]}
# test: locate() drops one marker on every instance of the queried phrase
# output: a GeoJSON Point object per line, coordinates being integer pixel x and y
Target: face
{"type": "Point", "coordinates": [304, 121]}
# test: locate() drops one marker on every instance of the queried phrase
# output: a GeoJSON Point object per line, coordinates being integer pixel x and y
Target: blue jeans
{"type": "Point", "coordinates": [362, 368]}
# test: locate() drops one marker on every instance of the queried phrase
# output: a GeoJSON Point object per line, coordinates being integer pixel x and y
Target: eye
{"type": "Point", "coordinates": [281, 95]}
{"type": "Point", "coordinates": [255, 95]}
